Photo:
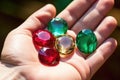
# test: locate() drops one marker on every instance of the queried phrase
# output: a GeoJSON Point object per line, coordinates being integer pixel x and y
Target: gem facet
{"type": "Point", "coordinates": [86, 41]}
{"type": "Point", "coordinates": [64, 44]}
{"type": "Point", "coordinates": [57, 26]}
{"type": "Point", "coordinates": [43, 38]}
{"type": "Point", "coordinates": [49, 56]}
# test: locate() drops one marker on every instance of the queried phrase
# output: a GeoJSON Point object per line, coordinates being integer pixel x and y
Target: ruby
{"type": "Point", "coordinates": [43, 38]}
{"type": "Point", "coordinates": [49, 56]}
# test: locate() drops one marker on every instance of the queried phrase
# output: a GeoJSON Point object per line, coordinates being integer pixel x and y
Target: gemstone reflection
{"type": "Point", "coordinates": [86, 41]}
{"type": "Point", "coordinates": [48, 56]}
{"type": "Point", "coordinates": [57, 26]}
{"type": "Point", "coordinates": [64, 44]}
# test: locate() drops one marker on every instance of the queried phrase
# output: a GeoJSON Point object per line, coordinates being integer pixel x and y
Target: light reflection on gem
{"type": "Point", "coordinates": [65, 45]}
{"type": "Point", "coordinates": [58, 26]}
{"type": "Point", "coordinates": [48, 56]}
{"type": "Point", "coordinates": [43, 38]}
{"type": "Point", "coordinates": [86, 41]}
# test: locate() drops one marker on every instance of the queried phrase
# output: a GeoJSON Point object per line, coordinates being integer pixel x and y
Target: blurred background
{"type": "Point", "coordinates": [14, 12]}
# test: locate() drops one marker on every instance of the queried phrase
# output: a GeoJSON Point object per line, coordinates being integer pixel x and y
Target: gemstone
{"type": "Point", "coordinates": [49, 56]}
{"type": "Point", "coordinates": [43, 38]}
{"type": "Point", "coordinates": [86, 41]}
{"type": "Point", "coordinates": [58, 26]}
{"type": "Point", "coordinates": [65, 45]}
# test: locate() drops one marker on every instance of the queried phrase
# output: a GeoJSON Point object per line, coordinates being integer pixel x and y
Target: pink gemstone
{"type": "Point", "coordinates": [49, 56]}
{"type": "Point", "coordinates": [43, 38]}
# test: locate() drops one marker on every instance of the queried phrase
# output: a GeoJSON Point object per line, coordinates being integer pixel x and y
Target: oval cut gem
{"type": "Point", "coordinates": [43, 38]}
{"type": "Point", "coordinates": [48, 56]}
{"type": "Point", "coordinates": [58, 26]}
{"type": "Point", "coordinates": [64, 44]}
{"type": "Point", "coordinates": [86, 41]}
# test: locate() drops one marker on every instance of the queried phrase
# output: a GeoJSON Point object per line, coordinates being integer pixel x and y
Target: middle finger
{"type": "Point", "coordinates": [93, 16]}
{"type": "Point", "coordinates": [75, 10]}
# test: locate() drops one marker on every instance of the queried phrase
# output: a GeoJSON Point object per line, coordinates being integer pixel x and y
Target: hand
{"type": "Point", "coordinates": [20, 52]}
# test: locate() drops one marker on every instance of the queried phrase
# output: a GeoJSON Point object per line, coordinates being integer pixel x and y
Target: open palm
{"type": "Point", "coordinates": [19, 49]}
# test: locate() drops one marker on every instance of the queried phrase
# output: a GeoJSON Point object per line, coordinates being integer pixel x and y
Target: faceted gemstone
{"type": "Point", "coordinates": [57, 26]}
{"type": "Point", "coordinates": [86, 41]}
{"type": "Point", "coordinates": [43, 38]}
{"type": "Point", "coordinates": [64, 44]}
{"type": "Point", "coordinates": [49, 56]}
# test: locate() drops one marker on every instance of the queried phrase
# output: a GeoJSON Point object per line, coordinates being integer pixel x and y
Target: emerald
{"type": "Point", "coordinates": [86, 41]}
{"type": "Point", "coordinates": [58, 26]}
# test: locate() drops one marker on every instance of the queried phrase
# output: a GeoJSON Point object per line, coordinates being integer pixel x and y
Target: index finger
{"type": "Point", "coordinates": [75, 10]}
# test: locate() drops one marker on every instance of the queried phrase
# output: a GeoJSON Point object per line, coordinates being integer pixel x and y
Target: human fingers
{"type": "Point", "coordinates": [40, 18]}
{"type": "Point", "coordinates": [14, 47]}
{"type": "Point", "coordinates": [75, 10]}
{"type": "Point", "coordinates": [93, 16]}
{"type": "Point", "coordinates": [106, 27]}
{"type": "Point", "coordinates": [104, 30]}
{"type": "Point", "coordinates": [96, 60]}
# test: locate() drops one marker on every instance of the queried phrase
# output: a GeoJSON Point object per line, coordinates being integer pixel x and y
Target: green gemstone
{"type": "Point", "coordinates": [58, 26]}
{"type": "Point", "coordinates": [86, 41]}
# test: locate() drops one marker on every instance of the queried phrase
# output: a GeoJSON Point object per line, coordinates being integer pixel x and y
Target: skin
{"type": "Point", "coordinates": [19, 51]}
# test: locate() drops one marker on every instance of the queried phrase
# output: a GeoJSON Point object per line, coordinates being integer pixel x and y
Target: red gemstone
{"type": "Point", "coordinates": [49, 56]}
{"type": "Point", "coordinates": [43, 38]}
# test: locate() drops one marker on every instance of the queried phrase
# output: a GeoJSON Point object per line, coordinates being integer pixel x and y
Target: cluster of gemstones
{"type": "Point", "coordinates": [54, 43]}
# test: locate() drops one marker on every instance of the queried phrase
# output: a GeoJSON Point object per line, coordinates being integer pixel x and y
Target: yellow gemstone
{"type": "Point", "coordinates": [65, 45]}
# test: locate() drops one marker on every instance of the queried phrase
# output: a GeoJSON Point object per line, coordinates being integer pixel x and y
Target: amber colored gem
{"type": "Point", "coordinates": [65, 45]}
